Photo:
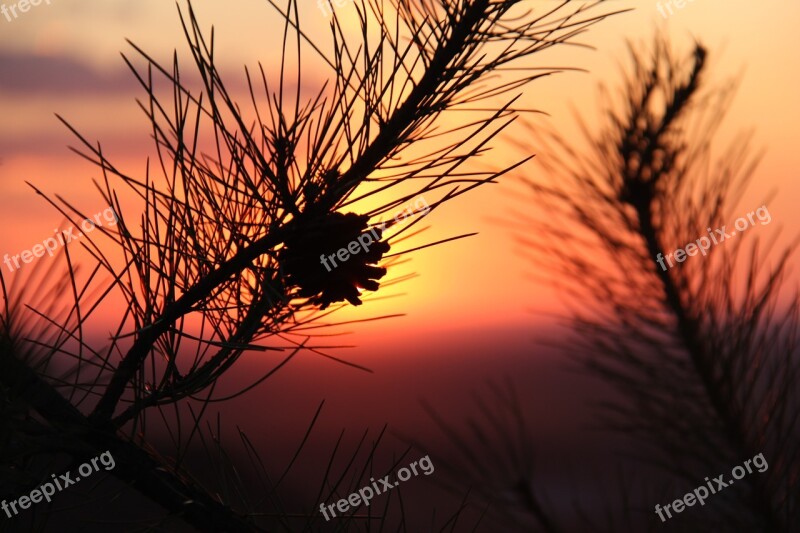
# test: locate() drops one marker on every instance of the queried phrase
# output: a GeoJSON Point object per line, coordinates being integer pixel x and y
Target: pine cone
{"type": "Point", "coordinates": [313, 238]}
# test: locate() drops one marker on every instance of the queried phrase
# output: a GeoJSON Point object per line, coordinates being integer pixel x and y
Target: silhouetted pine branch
{"type": "Point", "coordinates": [210, 240]}
{"type": "Point", "coordinates": [218, 262]}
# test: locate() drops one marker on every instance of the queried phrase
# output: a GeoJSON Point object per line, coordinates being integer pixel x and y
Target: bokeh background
{"type": "Point", "coordinates": [473, 313]}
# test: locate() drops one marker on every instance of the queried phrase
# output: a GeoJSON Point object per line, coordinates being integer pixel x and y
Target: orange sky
{"type": "Point", "coordinates": [64, 58]}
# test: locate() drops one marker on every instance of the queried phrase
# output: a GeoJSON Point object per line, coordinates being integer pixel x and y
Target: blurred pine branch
{"type": "Point", "coordinates": [705, 354]}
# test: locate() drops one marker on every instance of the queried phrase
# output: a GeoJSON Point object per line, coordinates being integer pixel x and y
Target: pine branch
{"type": "Point", "coordinates": [687, 339]}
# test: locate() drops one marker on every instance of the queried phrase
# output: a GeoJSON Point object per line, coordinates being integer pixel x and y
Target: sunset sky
{"type": "Point", "coordinates": [473, 310]}
{"type": "Point", "coordinates": [64, 58]}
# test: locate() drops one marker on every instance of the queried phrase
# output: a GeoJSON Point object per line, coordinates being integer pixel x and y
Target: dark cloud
{"type": "Point", "coordinates": [26, 73]}
{"type": "Point", "coordinates": [23, 73]}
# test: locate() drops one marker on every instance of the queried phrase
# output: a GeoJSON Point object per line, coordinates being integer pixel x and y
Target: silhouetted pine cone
{"type": "Point", "coordinates": [313, 243]}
